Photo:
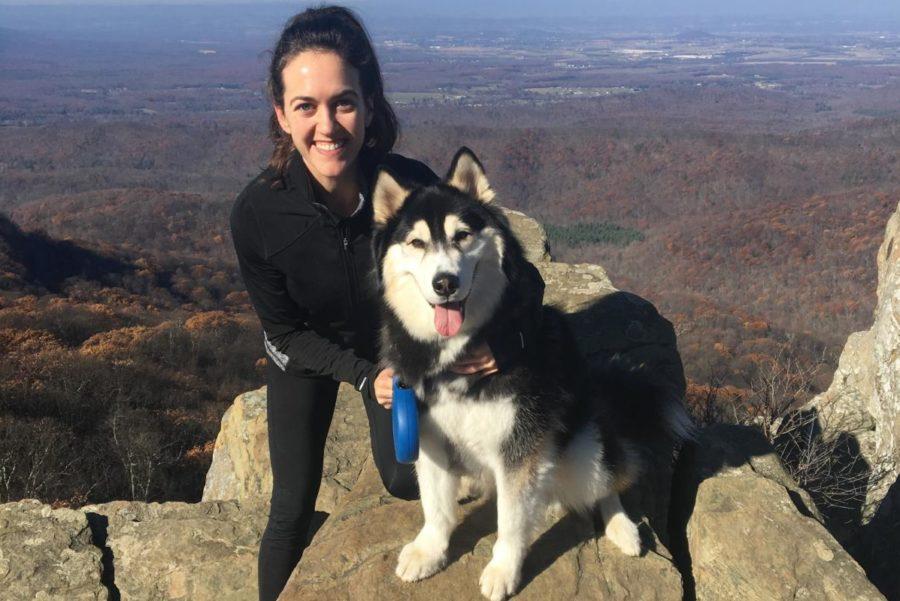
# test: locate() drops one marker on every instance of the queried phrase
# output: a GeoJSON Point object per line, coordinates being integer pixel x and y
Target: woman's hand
{"type": "Point", "coordinates": [384, 387]}
{"type": "Point", "coordinates": [477, 362]}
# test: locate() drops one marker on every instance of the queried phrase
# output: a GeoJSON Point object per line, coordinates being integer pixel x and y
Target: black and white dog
{"type": "Point", "coordinates": [544, 431]}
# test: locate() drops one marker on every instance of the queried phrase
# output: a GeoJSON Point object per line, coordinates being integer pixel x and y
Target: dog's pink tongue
{"type": "Point", "coordinates": [448, 318]}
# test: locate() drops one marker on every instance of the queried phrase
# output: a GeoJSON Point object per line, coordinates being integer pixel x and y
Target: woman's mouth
{"type": "Point", "coordinates": [329, 147]}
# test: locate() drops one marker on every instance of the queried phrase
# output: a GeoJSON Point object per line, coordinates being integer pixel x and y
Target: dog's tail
{"type": "Point", "coordinates": [639, 406]}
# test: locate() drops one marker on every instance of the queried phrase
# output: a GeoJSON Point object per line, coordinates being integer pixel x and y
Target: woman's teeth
{"type": "Point", "coordinates": [329, 146]}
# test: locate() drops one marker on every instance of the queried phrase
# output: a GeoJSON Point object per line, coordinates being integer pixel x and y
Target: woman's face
{"type": "Point", "coordinates": [325, 114]}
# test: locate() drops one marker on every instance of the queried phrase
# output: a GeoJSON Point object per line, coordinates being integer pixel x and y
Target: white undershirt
{"type": "Point", "coordinates": [362, 202]}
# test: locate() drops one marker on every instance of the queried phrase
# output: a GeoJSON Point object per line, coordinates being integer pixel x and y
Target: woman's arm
{"type": "Point", "coordinates": [289, 341]}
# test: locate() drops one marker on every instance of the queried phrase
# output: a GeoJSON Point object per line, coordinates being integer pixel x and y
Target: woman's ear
{"type": "Point", "coordinates": [282, 121]}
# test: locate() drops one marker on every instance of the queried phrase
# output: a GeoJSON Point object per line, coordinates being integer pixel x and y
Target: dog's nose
{"type": "Point", "coordinates": [445, 284]}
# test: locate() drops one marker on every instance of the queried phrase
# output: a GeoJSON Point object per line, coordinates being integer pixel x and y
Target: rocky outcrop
{"type": "Point", "coordinates": [241, 469]}
{"type": "Point", "coordinates": [737, 525]}
{"type": "Point", "coordinates": [863, 400]}
{"type": "Point", "coordinates": [47, 554]}
{"type": "Point", "coordinates": [746, 531]}
{"type": "Point", "coordinates": [354, 555]}
{"type": "Point", "coordinates": [531, 234]}
{"type": "Point", "coordinates": [179, 551]}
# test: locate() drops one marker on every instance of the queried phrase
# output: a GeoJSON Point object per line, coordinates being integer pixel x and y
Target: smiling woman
{"type": "Point", "coordinates": [302, 232]}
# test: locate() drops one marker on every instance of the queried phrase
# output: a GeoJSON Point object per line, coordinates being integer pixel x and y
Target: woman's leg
{"type": "Point", "coordinates": [299, 414]}
{"type": "Point", "coordinates": [399, 479]}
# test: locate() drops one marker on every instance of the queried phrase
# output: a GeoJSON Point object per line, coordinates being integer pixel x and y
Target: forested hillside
{"type": "Point", "coordinates": [739, 180]}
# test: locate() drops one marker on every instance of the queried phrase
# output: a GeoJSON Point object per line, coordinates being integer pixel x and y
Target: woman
{"type": "Point", "coordinates": [302, 233]}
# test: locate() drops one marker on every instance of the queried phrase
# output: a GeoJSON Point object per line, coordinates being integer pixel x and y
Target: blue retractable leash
{"type": "Point", "coordinates": [405, 418]}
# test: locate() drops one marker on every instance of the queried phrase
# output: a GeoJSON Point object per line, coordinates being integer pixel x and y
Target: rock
{"type": "Point", "coordinates": [354, 555]}
{"type": "Point", "coordinates": [531, 235]}
{"type": "Point", "coordinates": [748, 531]}
{"type": "Point", "coordinates": [608, 321]}
{"type": "Point", "coordinates": [864, 398]}
{"type": "Point", "coordinates": [241, 468]}
{"type": "Point", "coordinates": [47, 554]}
{"type": "Point", "coordinates": [182, 551]}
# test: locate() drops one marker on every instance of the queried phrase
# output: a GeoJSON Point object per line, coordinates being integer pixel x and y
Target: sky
{"type": "Point", "coordinates": [592, 8]}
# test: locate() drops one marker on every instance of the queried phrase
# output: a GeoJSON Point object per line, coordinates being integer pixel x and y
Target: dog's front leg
{"type": "Point", "coordinates": [427, 554]}
{"type": "Point", "coordinates": [519, 495]}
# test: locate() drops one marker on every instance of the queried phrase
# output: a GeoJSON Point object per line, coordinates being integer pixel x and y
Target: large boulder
{"type": "Point", "coordinates": [180, 551]}
{"type": "Point", "coordinates": [47, 554]}
{"type": "Point", "coordinates": [863, 400]}
{"type": "Point", "coordinates": [531, 234]}
{"type": "Point", "coordinates": [241, 468]}
{"type": "Point", "coordinates": [354, 555]}
{"type": "Point", "coordinates": [742, 529]}
{"type": "Point", "coordinates": [607, 321]}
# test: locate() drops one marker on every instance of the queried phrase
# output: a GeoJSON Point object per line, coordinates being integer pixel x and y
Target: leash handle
{"type": "Point", "coordinates": [405, 421]}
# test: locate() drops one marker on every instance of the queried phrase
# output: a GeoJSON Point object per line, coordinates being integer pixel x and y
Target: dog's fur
{"type": "Point", "coordinates": [540, 432]}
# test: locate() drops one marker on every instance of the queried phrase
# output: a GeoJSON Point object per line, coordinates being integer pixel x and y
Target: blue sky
{"type": "Point", "coordinates": [530, 8]}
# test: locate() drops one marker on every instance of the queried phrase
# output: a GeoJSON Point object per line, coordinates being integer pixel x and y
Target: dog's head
{"type": "Point", "coordinates": [439, 250]}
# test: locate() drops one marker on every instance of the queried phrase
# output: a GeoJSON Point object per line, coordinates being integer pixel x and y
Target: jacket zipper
{"type": "Point", "coordinates": [349, 267]}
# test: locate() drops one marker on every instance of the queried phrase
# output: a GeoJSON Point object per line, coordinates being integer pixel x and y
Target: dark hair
{"type": "Point", "coordinates": [339, 30]}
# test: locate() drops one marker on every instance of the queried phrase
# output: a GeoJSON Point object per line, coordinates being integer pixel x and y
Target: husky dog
{"type": "Point", "coordinates": [542, 432]}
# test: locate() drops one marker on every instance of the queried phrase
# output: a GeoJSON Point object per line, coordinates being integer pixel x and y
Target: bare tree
{"type": "Point", "coordinates": [778, 386]}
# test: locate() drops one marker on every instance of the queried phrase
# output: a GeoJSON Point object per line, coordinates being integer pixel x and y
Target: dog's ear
{"type": "Point", "coordinates": [388, 196]}
{"type": "Point", "coordinates": [467, 175]}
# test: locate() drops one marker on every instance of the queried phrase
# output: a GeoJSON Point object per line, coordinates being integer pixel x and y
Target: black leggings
{"type": "Point", "coordinates": [299, 414]}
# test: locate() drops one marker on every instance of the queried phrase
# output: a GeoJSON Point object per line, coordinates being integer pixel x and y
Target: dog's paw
{"type": "Point", "coordinates": [417, 562]}
{"type": "Point", "coordinates": [499, 580]}
{"type": "Point", "coordinates": [624, 533]}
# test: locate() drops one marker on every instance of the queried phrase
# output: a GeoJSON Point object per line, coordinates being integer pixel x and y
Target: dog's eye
{"type": "Point", "coordinates": [461, 236]}
{"type": "Point", "coordinates": [416, 243]}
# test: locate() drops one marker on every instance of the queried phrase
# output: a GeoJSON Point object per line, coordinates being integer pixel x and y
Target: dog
{"type": "Point", "coordinates": [545, 431]}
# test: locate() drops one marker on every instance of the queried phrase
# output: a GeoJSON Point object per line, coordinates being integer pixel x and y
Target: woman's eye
{"type": "Point", "coordinates": [461, 236]}
{"type": "Point", "coordinates": [416, 243]}
{"type": "Point", "coordinates": [346, 105]}
{"type": "Point", "coordinates": [304, 107]}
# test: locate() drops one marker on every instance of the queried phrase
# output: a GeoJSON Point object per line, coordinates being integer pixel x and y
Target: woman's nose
{"type": "Point", "coordinates": [327, 122]}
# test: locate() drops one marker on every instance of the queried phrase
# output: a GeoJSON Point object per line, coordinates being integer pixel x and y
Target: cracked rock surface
{"type": "Point", "coordinates": [47, 554]}
{"type": "Point", "coordinates": [241, 467]}
{"type": "Point", "coordinates": [182, 551]}
{"type": "Point", "coordinates": [751, 533]}
{"type": "Point", "coordinates": [864, 397]}
{"type": "Point", "coordinates": [354, 555]}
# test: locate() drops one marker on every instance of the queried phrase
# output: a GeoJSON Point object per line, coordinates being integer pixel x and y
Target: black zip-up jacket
{"type": "Point", "coordinates": [309, 275]}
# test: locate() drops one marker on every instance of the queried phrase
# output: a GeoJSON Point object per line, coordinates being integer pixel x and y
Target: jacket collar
{"type": "Point", "coordinates": [297, 179]}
